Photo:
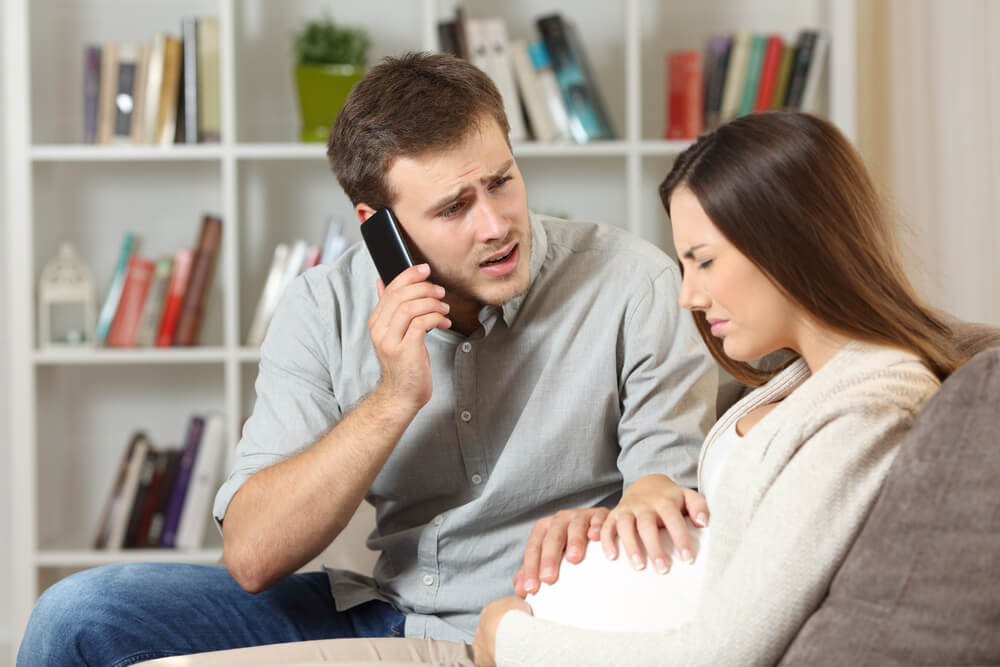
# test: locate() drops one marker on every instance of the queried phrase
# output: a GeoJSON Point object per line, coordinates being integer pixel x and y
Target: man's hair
{"type": "Point", "coordinates": [406, 107]}
{"type": "Point", "coordinates": [790, 192]}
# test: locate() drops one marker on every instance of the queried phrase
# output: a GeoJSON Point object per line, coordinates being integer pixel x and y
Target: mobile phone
{"type": "Point", "coordinates": [386, 244]}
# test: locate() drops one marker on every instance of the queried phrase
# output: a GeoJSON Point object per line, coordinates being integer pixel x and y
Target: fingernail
{"type": "Point", "coordinates": [573, 551]}
{"type": "Point", "coordinates": [424, 268]}
{"type": "Point", "coordinates": [611, 555]}
{"type": "Point", "coordinates": [439, 290]}
{"type": "Point", "coordinates": [687, 556]}
{"type": "Point", "coordinates": [638, 562]}
{"type": "Point", "coordinates": [661, 566]}
{"type": "Point", "coordinates": [530, 585]}
{"type": "Point", "coordinates": [702, 519]}
{"type": "Point", "coordinates": [547, 572]}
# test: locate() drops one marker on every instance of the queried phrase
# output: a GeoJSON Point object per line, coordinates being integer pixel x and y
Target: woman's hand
{"type": "Point", "coordinates": [485, 644]}
{"type": "Point", "coordinates": [565, 532]}
{"type": "Point", "coordinates": [651, 503]}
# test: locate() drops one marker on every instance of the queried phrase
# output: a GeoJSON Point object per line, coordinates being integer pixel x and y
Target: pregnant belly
{"type": "Point", "coordinates": [602, 594]}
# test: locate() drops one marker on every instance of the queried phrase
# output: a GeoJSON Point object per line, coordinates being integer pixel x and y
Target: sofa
{"type": "Point", "coordinates": [921, 584]}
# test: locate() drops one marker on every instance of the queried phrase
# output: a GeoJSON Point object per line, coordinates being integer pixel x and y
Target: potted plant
{"type": "Point", "coordinates": [329, 60]}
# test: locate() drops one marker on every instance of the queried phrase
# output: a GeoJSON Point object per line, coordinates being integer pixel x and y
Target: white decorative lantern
{"type": "Point", "coordinates": [66, 301]}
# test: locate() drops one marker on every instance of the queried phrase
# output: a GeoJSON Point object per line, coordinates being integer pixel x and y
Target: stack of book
{"type": "Point", "coordinates": [287, 262]}
{"type": "Point", "coordinates": [161, 93]}
{"type": "Point", "coordinates": [162, 498]}
{"type": "Point", "coordinates": [159, 303]}
{"type": "Point", "coordinates": [547, 73]}
{"type": "Point", "coordinates": [739, 74]}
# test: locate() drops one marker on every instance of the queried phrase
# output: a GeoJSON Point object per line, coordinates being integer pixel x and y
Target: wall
{"type": "Point", "coordinates": [5, 499]}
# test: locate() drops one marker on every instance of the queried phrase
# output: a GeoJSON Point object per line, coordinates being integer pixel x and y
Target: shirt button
{"type": "Point", "coordinates": [466, 416]}
{"type": "Point", "coordinates": [466, 346]}
{"type": "Point", "coordinates": [438, 520]}
{"type": "Point", "coordinates": [428, 580]}
{"type": "Point", "coordinates": [477, 478]}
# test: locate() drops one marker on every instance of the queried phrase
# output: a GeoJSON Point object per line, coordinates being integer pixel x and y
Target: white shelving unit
{"type": "Point", "coordinates": [73, 409]}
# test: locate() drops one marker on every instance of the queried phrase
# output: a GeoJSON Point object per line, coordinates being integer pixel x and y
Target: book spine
{"type": "Point", "coordinates": [784, 72]}
{"type": "Point", "coordinates": [123, 505]}
{"type": "Point", "coordinates": [736, 72]}
{"type": "Point", "coordinates": [106, 93]}
{"type": "Point", "coordinates": [166, 117]}
{"type": "Point", "coordinates": [175, 506]}
{"type": "Point", "coordinates": [140, 537]}
{"type": "Point", "coordinates": [149, 466]}
{"type": "Point", "coordinates": [542, 64]}
{"type": "Point", "coordinates": [91, 91]}
{"type": "Point", "coordinates": [125, 326]}
{"type": "Point", "coordinates": [180, 275]}
{"type": "Point", "coordinates": [584, 107]}
{"type": "Point", "coordinates": [202, 485]}
{"type": "Point", "coordinates": [720, 46]}
{"type": "Point", "coordinates": [138, 128]}
{"type": "Point", "coordinates": [268, 296]}
{"type": "Point", "coordinates": [189, 323]}
{"type": "Point", "coordinates": [166, 491]}
{"type": "Point", "coordinates": [107, 314]}
{"type": "Point", "coordinates": [153, 308]}
{"type": "Point", "coordinates": [810, 93]}
{"type": "Point", "coordinates": [209, 118]}
{"type": "Point", "coordinates": [189, 35]}
{"type": "Point", "coordinates": [769, 73]}
{"type": "Point", "coordinates": [495, 32]}
{"type": "Point", "coordinates": [684, 91]}
{"type": "Point", "coordinates": [543, 127]}
{"type": "Point", "coordinates": [800, 68]}
{"type": "Point", "coordinates": [758, 44]}
{"type": "Point", "coordinates": [128, 63]}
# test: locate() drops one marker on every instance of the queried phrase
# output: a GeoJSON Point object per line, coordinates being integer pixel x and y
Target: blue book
{"type": "Point", "coordinates": [175, 505]}
{"type": "Point", "coordinates": [110, 307]}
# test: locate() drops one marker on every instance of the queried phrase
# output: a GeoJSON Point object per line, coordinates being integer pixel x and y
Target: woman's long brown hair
{"type": "Point", "coordinates": [790, 192]}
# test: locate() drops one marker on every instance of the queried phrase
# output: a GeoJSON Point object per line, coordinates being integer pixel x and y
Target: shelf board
{"type": "Point", "coordinates": [149, 355]}
{"type": "Point", "coordinates": [664, 146]}
{"type": "Point", "coordinates": [288, 150]}
{"type": "Point", "coordinates": [93, 557]}
{"type": "Point", "coordinates": [248, 354]}
{"type": "Point", "coordinates": [116, 153]}
{"type": "Point", "coordinates": [528, 149]}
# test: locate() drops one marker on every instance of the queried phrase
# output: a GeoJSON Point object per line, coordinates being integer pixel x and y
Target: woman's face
{"type": "Point", "coordinates": [742, 305]}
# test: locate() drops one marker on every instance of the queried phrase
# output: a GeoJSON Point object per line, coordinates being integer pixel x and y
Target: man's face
{"type": "Point", "coordinates": [466, 213]}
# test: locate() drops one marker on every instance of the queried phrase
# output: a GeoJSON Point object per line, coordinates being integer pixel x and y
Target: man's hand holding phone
{"type": "Point", "coordinates": [408, 307]}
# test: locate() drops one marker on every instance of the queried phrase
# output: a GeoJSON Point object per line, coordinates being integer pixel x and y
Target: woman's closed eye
{"type": "Point", "coordinates": [704, 264]}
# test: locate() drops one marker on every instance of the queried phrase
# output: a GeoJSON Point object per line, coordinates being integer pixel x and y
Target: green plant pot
{"type": "Point", "coordinates": [323, 89]}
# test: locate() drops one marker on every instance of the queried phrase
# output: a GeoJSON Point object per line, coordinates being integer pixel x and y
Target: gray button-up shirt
{"type": "Point", "coordinates": [589, 381]}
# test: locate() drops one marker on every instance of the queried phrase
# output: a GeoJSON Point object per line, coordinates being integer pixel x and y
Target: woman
{"type": "Point", "coordinates": [783, 245]}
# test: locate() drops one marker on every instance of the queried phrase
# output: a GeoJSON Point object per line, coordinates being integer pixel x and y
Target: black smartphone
{"type": "Point", "coordinates": [386, 244]}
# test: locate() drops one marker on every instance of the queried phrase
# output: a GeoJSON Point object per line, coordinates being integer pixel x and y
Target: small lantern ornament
{"type": "Point", "coordinates": [66, 301]}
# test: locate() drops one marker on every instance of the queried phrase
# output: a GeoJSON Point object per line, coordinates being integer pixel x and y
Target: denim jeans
{"type": "Point", "coordinates": [118, 615]}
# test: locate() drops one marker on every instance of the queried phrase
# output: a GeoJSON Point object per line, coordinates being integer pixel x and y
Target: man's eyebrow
{"type": "Point", "coordinates": [689, 253]}
{"type": "Point", "coordinates": [448, 199]}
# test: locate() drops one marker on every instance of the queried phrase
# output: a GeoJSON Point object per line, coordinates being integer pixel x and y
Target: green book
{"type": "Point", "coordinates": [110, 306]}
{"type": "Point", "coordinates": [754, 65]}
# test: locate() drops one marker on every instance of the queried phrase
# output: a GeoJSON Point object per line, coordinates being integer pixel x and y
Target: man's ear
{"type": "Point", "coordinates": [364, 211]}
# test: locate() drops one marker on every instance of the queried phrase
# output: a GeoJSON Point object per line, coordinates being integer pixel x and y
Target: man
{"type": "Point", "coordinates": [523, 366]}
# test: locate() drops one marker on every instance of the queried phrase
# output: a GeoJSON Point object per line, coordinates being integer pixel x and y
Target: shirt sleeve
{"type": "Point", "coordinates": [668, 386]}
{"type": "Point", "coordinates": [778, 574]}
{"type": "Point", "coordinates": [295, 405]}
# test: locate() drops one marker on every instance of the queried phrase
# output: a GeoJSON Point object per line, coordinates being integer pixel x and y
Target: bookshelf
{"type": "Point", "coordinates": [75, 408]}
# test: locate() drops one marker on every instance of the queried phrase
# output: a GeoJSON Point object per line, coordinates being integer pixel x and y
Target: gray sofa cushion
{"type": "Point", "coordinates": [921, 585]}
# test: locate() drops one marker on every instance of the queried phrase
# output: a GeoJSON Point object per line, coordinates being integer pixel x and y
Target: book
{"type": "Point", "coordinates": [550, 86]}
{"type": "Point", "coordinates": [769, 72]}
{"type": "Point", "coordinates": [203, 483]}
{"type": "Point", "coordinates": [736, 74]}
{"type": "Point", "coordinates": [717, 64]}
{"type": "Point", "coordinates": [123, 503]}
{"type": "Point", "coordinates": [311, 259]}
{"type": "Point", "coordinates": [139, 502]}
{"type": "Point", "coordinates": [447, 39]}
{"type": "Point", "coordinates": [755, 61]}
{"type": "Point", "coordinates": [180, 274]}
{"type": "Point", "coordinates": [138, 127]}
{"type": "Point", "coordinates": [207, 48]}
{"type": "Point", "coordinates": [153, 89]}
{"type": "Point", "coordinates": [124, 102]}
{"type": "Point", "coordinates": [178, 494]}
{"type": "Point", "coordinates": [810, 92]}
{"type": "Point", "coordinates": [153, 308]}
{"type": "Point", "coordinates": [784, 71]}
{"type": "Point", "coordinates": [189, 323]}
{"type": "Point", "coordinates": [91, 91]}
{"type": "Point", "coordinates": [334, 244]}
{"type": "Point", "coordinates": [804, 45]}
{"type": "Point", "coordinates": [187, 111]}
{"type": "Point", "coordinates": [166, 115]}
{"type": "Point", "coordinates": [494, 30]}
{"type": "Point", "coordinates": [125, 326]}
{"type": "Point", "coordinates": [685, 106]}
{"type": "Point", "coordinates": [114, 499]}
{"type": "Point", "coordinates": [159, 509]}
{"type": "Point", "coordinates": [584, 107]}
{"type": "Point", "coordinates": [529, 86]}
{"type": "Point", "coordinates": [268, 297]}
{"type": "Point", "coordinates": [461, 41]}
{"type": "Point", "coordinates": [139, 538]}
{"type": "Point", "coordinates": [106, 92]}
{"type": "Point", "coordinates": [107, 314]}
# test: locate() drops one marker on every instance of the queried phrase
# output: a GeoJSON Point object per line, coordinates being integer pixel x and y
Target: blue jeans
{"type": "Point", "coordinates": [118, 615]}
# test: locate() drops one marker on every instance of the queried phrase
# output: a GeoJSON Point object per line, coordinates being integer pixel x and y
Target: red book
{"type": "Point", "coordinates": [685, 92]}
{"type": "Point", "coordinates": [312, 258]}
{"type": "Point", "coordinates": [174, 298]}
{"type": "Point", "coordinates": [769, 72]}
{"type": "Point", "coordinates": [126, 323]}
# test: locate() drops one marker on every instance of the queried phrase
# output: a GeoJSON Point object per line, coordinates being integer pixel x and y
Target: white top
{"type": "Point", "coordinates": [715, 457]}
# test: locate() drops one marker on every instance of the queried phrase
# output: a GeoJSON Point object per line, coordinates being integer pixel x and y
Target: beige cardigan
{"type": "Point", "coordinates": [792, 498]}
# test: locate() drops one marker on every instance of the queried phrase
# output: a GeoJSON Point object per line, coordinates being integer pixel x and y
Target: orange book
{"type": "Point", "coordinates": [126, 323]}
{"type": "Point", "coordinates": [174, 299]}
{"type": "Point", "coordinates": [769, 72]}
{"type": "Point", "coordinates": [685, 92]}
